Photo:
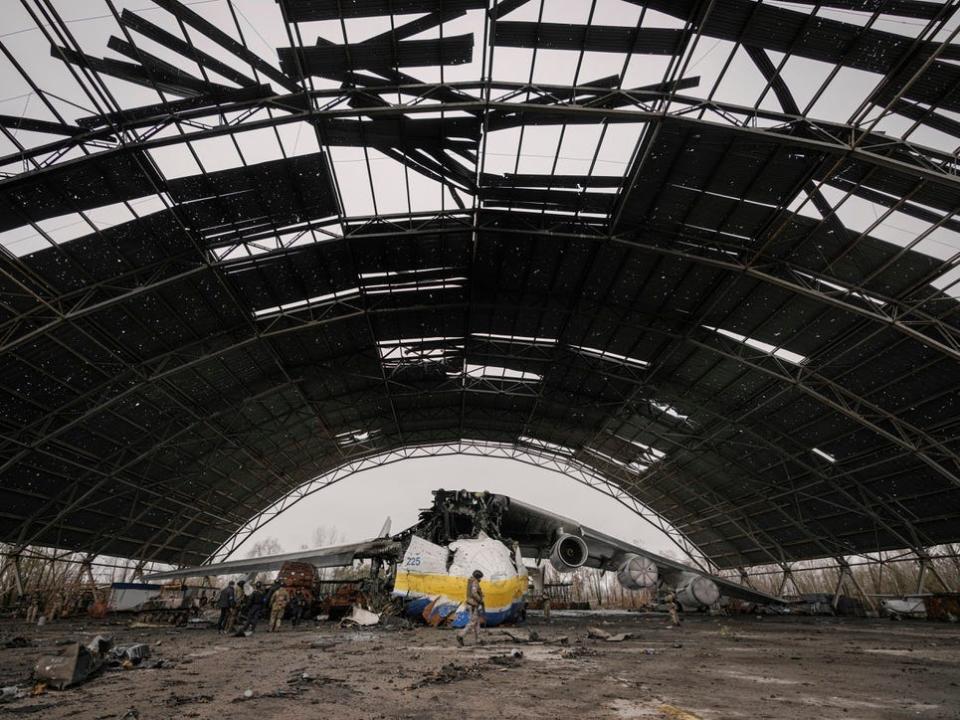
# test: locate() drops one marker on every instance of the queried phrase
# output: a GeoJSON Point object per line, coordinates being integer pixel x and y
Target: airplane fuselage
{"type": "Point", "coordinates": [431, 581]}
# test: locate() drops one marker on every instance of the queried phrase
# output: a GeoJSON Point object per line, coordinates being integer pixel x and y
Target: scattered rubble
{"type": "Point", "coordinates": [74, 664]}
{"type": "Point", "coordinates": [360, 617]}
{"type": "Point", "coordinates": [177, 700]}
{"type": "Point", "coordinates": [512, 660]}
{"type": "Point", "coordinates": [325, 643]}
{"type": "Point", "coordinates": [17, 642]}
{"type": "Point", "coordinates": [579, 651]}
{"type": "Point", "coordinates": [595, 633]}
{"type": "Point", "coordinates": [451, 672]}
{"type": "Point", "coordinates": [672, 712]}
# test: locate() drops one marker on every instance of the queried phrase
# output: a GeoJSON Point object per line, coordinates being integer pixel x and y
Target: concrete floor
{"type": "Point", "coordinates": [711, 668]}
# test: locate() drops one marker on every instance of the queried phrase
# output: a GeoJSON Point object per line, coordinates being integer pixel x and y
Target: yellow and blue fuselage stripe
{"type": "Point", "coordinates": [503, 599]}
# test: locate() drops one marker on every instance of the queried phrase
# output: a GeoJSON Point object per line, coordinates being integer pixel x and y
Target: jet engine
{"type": "Point", "coordinates": [637, 572]}
{"type": "Point", "coordinates": [569, 553]}
{"type": "Point", "coordinates": [696, 591]}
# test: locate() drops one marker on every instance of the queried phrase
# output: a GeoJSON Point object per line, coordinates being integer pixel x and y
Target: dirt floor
{"type": "Point", "coordinates": [710, 668]}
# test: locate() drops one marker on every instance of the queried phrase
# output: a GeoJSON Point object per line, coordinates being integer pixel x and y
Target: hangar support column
{"type": "Point", "coordinates": [846, 574]}
{"type": "Point", "coordinates": [925, 564]}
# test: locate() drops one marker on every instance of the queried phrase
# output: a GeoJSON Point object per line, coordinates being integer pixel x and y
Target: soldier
{"type": "Point", "coordinates": [278, 604]}
{"type": "Point", "coordinates": [545, 604]}
{"type": "Point", "coordinates": [33, 608]}
{"type": "Point", "coordinates": [56, 606]}
{"type": "Point", "coordinates": [474, 609]}
{"type": "Point", "coordinates": [254, 608]}
{"type": "Point", "coordinates": [237, 609]}
{"type": "Point", "coordinates": [297, 605]}
{"type": "Point", "coordinates": [672, 605]}
{"type": "Point", "coordinates": [225, 602]}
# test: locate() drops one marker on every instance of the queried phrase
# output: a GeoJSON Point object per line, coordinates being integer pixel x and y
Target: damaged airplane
{"type": "Point", "coordinates": [428, 564]}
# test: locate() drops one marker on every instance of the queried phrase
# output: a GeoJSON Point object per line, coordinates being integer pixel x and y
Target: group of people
{"type": "Point", "coordinates": [50, 604]}
{"type": "Point", "coordinates": [236, 606]}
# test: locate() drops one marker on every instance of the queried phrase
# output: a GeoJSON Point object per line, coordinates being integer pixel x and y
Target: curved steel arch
{"type": "Point", "coordinates": [560, 464]}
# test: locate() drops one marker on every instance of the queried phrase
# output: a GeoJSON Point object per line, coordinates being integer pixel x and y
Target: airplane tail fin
{"type": "Point", "coordinates": [385, 530]}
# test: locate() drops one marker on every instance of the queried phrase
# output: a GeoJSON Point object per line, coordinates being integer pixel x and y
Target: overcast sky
{"type": "Point", "coordinates": [357, 506]}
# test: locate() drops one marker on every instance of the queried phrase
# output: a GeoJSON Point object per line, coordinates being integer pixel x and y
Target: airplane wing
{"type": "Point", "coordinates": [536, 531]}
{"type": "Point", "coordinates": [333, 556]}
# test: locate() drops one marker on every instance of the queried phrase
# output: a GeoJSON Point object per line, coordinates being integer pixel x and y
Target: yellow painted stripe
{"type": "Point", "coordinates": [497, 594]}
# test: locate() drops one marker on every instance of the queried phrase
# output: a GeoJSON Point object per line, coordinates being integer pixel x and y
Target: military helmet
{"type": "Point", "coordinates": [477, 574]}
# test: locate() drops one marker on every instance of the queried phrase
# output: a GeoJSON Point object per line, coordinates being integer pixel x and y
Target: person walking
{"type": "Point", "coordinates": [474, 609]}
{"type": "Point", "coordinates": [255, 605]}
{"type": "Point", "coordinates": [236, 611]}
{"type": "Point", "coordinates": [297, 604]}
{"type": "Point", "coordinates": [672, 605]}
{"type": "Point", "coordinates": [225, 602]}
{"type": "Point", "coordinates": [278, 605]}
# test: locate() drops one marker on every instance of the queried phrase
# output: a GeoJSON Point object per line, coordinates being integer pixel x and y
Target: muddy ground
{"type": "Point", "coordinates": [710, 668]}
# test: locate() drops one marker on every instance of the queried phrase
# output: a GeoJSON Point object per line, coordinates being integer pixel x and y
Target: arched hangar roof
{"type": "Point", "coordinates": [708, 249]}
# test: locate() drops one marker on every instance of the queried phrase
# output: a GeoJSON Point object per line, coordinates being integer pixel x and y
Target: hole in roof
{"type": "Point", "coordinates": [845, 292]}
{"type": "Point", "coordinates": [545, 445]}
{"type": "Point", "coordinates": [306, 304]}
{"type": "Point", "coordinates": [649, 451]}
{"type": "Point", "coordinates": [360, 436]}
{"type": "Point", "coordinates": [409, 352]}
{"type": "Point", "coordinates": [514, 339]}
{"type": "Point", "coordinates": [823, 454]}
{"type": "Point", "coordinates": [670, 411]}
{"type": "Point", "coordinates": [64, 228]}
{"type": "Point", "coordinates": [497, 372]}
{"type": "Point", "coordinates": [633, 466]}
{"type": "Point", "coordinates": [609, 356]}
{"type": "Point", "coordinates": [764, 347]}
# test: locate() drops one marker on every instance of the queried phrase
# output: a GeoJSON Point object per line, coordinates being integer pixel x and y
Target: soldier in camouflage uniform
{"type": "Point", "coordinates": [278, 605]}
{"type": "Point", "coordinates": [474, 609]}
{"type": "Point", "coordinates": [672, 605]}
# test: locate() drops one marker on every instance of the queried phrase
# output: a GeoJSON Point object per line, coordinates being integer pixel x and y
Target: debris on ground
{"type": "Point", "coordinates": [390, 621]}
{"type": "Point", "coordinates": [177, 700]}
{"type": "Point", "coordinates": [129, 656]}
{"type": "Point", "coordinates": [520, 636]}
{"type": "Point", "coordinates": [17, 642]}
{"type": "Point", "coordinates": [672, 712]}
{"type": "Point", "coordinates": [580, 651]}
{"type": "Point", "coordinates": [511, 660]}
{"type": "Point", "coordinates": [74, 664]}
{"type": "Point", "coordinates": [726, 632]}
{"type": "Point", "coordinates": [451, 672]}
{"type": "Point", "coordinates": [595, 633]}
{"type": "Point", "coordinates": [361, 617]}
{"type": "Point", "coordinates": [12, 692]}
{"type": "Point", "coordinates": [324, 643]}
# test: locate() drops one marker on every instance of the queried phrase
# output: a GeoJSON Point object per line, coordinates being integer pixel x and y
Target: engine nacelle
{"type": "Point", "coordinates": [637, 572]}
{"type": "Point", "coordinates": [569, 553]}
{"type": "Point", "coordinates": [696, 591]}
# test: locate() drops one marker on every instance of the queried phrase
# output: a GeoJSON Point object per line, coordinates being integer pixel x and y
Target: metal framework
{"type": "Point", "coordinates": [700, 255]}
